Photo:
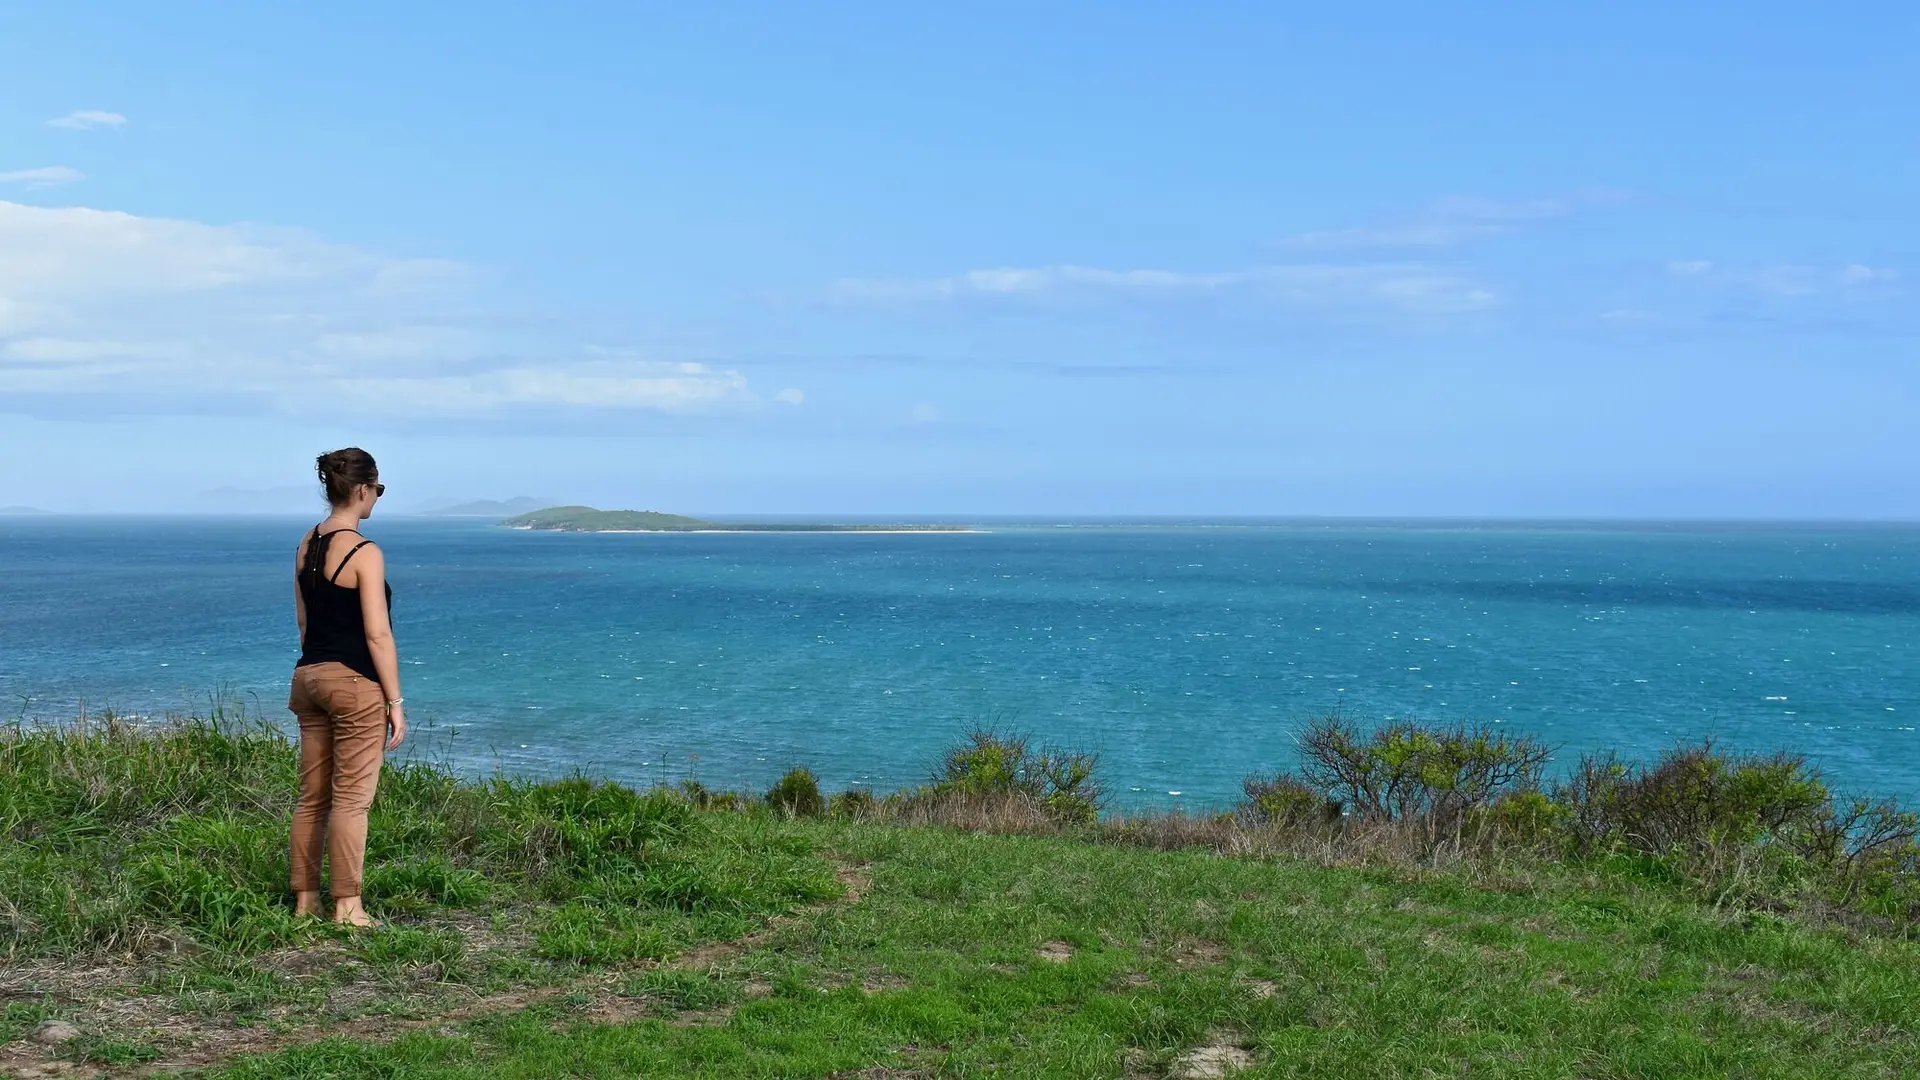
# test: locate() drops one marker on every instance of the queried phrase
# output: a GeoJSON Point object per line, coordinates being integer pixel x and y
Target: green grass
{"type": "Point", "coordinates": [579, 929]}
{"type": "Point", "coordinates": [1314, 971]}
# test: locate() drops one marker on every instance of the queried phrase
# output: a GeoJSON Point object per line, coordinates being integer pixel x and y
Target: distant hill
{"type": "Point", "coordinates": [19, 510]}
{"type": "Point", "coordinates": [588, 519]}
{"type": "Point", "coordinates": [519, 504]}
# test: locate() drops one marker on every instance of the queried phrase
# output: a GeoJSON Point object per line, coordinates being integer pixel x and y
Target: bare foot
{"type": "Point", "coordinates": [350, 913]}
{"type": "Point", "coordinates": [307, 904]}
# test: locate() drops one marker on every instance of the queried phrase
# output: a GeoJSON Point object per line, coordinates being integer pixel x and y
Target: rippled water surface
{"type": "Point", "coordinates": [1187, 655]}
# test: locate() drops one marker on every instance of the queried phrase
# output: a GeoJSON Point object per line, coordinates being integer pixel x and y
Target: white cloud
{"type": "Point", "coordinates": [42, 177]}
{"type": "Point", "coordinates": [1454, 221]}
{"type": "Point", "coordinates": [85, 254]}
{"type": "Point", "coordinates": [1856, 274]}
{"type": "Point", "coordinates": [1407, 288]}
{"type": "Point", "coordinates": [61, 350]}
{"type": "Point", "coordinates": [177, 313]}
{"type": "Point", "coordinates": [82, 119]}
{"type": "Point", "coordinates": [400, 343]}
{"type": "Point", "coordinates": [1008, 281]}
{"type": "Point", "coordinates": [1785, 279]}
{"type": "Point", "coordinates": [662, 386]}
{"type": "Point", "coordinates": [792, 395]}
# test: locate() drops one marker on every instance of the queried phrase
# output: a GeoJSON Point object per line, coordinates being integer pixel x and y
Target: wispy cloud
{"type": "Point", "coordinates": [658, 385]}
{"type": "Point", "coordinates": [63, 350]}
{"type": "Point", "coordinates": [103, 304]}
{"type": "Point", "coordinates": [43, 177]}
{"type": "Point", "coordinates": [1036, 281]}
{"type": "Point", "coordinates": [1784, 279]}
{"type": "Point", "coordinates": [1408, 288]}
{"type": "Point", "coordinates": [82, 119]}
{"type": "Point", "coordinates": [1455, 220]}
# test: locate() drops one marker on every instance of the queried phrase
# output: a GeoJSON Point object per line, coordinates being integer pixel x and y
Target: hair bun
{"type": "Point", "coordinates": [343, 470]}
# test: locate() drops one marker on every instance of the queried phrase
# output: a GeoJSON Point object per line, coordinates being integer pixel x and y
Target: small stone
{"type": "Point", "coordinates": [55, 1032]}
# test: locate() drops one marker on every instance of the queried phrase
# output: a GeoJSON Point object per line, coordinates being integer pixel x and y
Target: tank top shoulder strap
{"type": "Point", "coordinates": [343, 562]}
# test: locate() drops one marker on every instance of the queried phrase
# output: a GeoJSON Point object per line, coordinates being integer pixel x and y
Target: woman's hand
{"type": "Point", "coordinates": [396, 725]}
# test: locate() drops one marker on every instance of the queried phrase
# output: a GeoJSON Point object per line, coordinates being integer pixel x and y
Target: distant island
{"type": "Point", "coordinates": [589, 519]}
{"type": "Point", "coordinates": [19, 510]}
{"type": "Point", "coordinates": [519, 504]}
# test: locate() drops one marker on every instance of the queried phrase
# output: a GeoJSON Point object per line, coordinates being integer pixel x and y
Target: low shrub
{"type": "Point", "coordinates": [1062, 782]}
{"type": "Point", "coordinates": [1747, 826]}
{"type": "Point", "coordinates": [1285, 801]}
{"type": "Point", "coordinates": [1405, 771]}
{"type": "Point", "coordinates": [1693, 799]}
{"type": "Point", "coordinates": [1527, 818]}
{"type": "Point", "coordinates": [853, 804]}
{"type": "Point", "coordinates": [797, 794]}
{"type": "Point", "coordinates": [701, 797]}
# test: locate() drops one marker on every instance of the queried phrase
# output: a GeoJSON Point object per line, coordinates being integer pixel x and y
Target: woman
{"type": "Point", "coordinates": [346, 687]}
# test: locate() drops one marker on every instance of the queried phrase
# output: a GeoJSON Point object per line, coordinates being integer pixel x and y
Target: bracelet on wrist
{"type": "Point", "coordinates": [396, 701]}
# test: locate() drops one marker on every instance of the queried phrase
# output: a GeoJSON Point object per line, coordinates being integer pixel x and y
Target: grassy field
{"type": "Point", "coordinates": [578, 929]}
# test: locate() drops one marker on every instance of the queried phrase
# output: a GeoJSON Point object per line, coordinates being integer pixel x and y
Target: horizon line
{"type": "Point", "coordinates": [1076, 518]}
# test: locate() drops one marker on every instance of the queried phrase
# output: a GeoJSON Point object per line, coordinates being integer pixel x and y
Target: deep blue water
{"type": "Point", "coordinates": [1186, 655]}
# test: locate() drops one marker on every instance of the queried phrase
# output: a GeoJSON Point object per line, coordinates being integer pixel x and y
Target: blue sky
{"type": "Point", "coordinates": [1385, 259]}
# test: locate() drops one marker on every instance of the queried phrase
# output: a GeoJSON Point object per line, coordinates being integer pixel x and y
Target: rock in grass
{"type": "Point", "coordinates": [55, 1032]}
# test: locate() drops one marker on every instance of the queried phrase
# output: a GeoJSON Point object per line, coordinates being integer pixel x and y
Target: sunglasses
{"type": "Point", "coordinates": [378, 489]}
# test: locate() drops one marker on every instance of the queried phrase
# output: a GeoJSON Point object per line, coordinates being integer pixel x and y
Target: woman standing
{"type": "Point", "coordinates": [346, 687]}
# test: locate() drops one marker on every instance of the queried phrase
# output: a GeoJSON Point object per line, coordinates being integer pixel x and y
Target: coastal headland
{"type": "Point", "coordinates": [591, 519]}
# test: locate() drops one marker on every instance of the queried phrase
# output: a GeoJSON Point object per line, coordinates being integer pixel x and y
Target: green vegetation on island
{"type": "Point", "coordinates": [1411, 902]}
{"type": "Point", "coordinates": [589, 519]}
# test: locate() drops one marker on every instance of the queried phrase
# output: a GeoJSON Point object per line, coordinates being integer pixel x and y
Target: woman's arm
{"type": "Point", "coordinates": [299, 601]}
{"type": "Point", "coordinates": [370, 568]}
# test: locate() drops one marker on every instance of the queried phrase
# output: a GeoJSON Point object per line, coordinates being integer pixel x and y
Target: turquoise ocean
{"type": "Point", "coordinates": [1186, 654]}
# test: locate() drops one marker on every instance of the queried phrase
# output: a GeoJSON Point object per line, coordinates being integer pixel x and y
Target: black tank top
{"type": "Point", "coordinates": [336, 631]}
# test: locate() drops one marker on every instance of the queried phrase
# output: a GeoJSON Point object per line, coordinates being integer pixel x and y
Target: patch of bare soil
{"type": "Point", "coordinates": [1220, 1056]}
{"type": "Point", "coordinates": [24, 1068]}
{"type": "Point", "coordinates": [1198, 952]}
{"type": "Point", "coordinates": [1056, 952]}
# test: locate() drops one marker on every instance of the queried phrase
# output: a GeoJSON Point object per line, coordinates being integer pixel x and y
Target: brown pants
{"type": "Point", "coordinates": [343, 732]}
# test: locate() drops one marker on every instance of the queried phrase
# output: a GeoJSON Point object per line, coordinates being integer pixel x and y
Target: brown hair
{"type": "Point", "coordinates": [343, 470]}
